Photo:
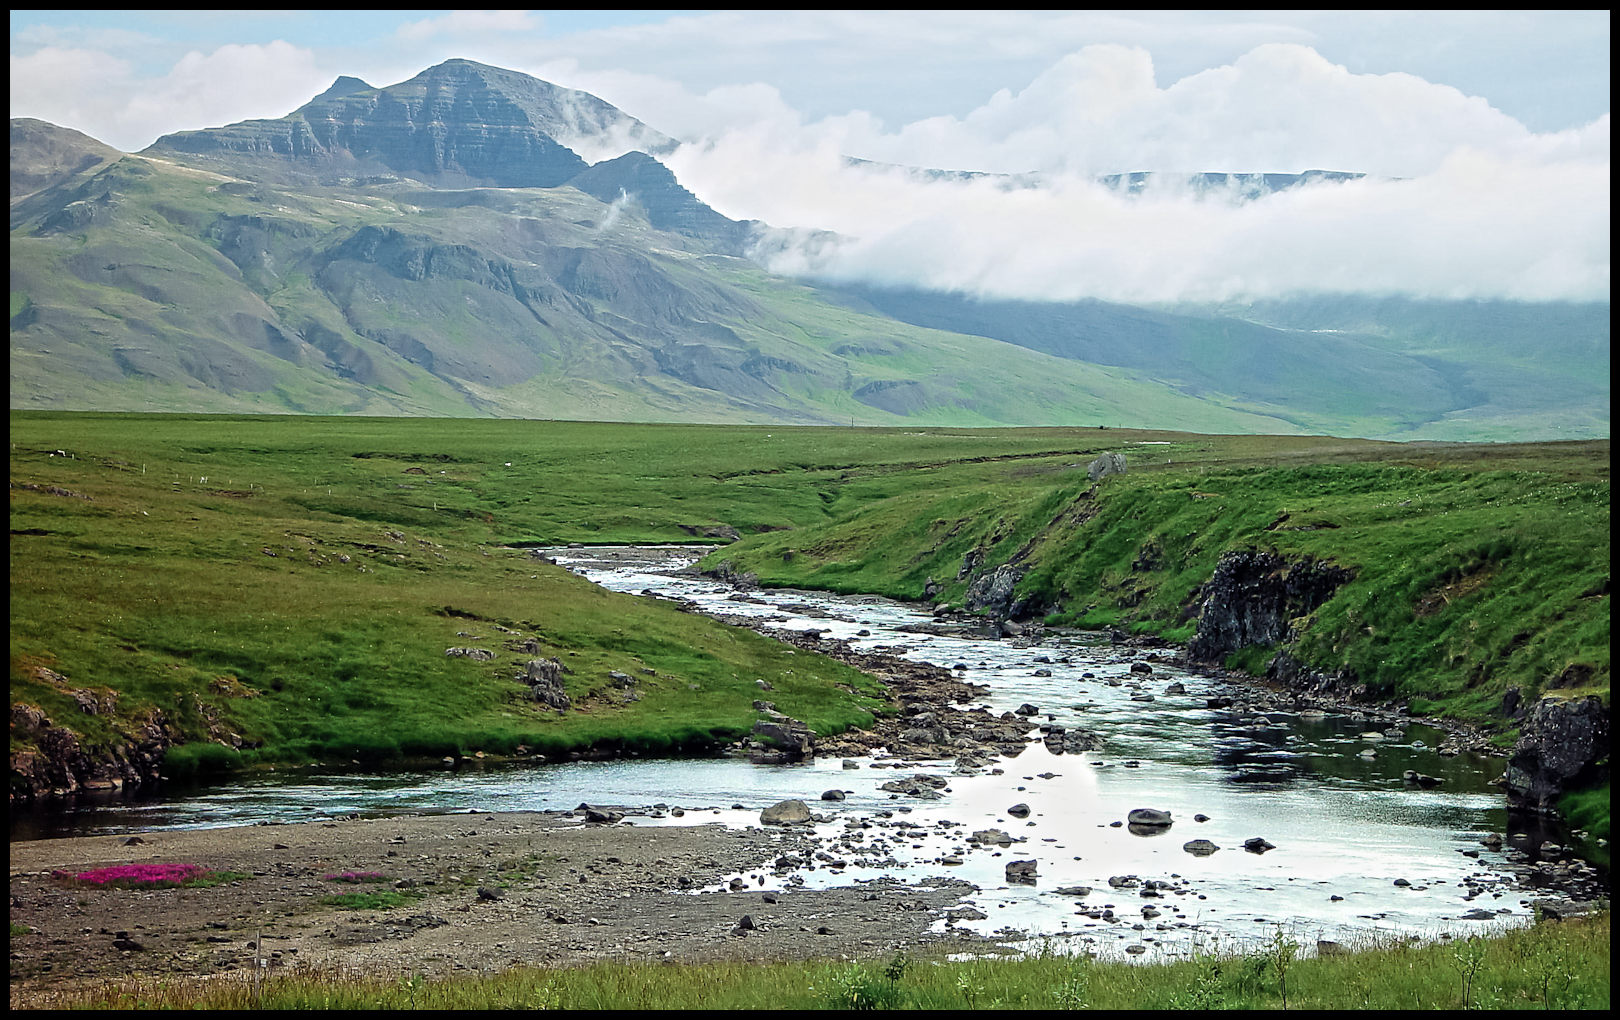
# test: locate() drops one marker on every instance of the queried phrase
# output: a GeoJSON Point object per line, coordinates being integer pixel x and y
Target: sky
{"type": "Point", "coordinates": [1485, 134]}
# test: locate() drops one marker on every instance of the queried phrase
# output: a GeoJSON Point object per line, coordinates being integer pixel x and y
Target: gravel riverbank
{"type": "Point", "coordinates": [488, 892]}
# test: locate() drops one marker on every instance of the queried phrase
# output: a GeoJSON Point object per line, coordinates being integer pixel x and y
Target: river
{"type": "Point", "coordinates": [1358, 852]}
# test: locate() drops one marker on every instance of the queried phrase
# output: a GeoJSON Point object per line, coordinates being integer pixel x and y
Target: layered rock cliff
{"type": "Point", "coordinates": [1564, 745]}
{"type": "Point", "coordinates": [1254, 597]}
{"type": "Point", "coordinates": [458, 123]}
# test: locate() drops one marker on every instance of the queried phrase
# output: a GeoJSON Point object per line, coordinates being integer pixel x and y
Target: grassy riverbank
{"type": "Point", "coordinates": [1476, 569]}
{"type": "Point", "coordinates": [1553, 965]}
{"type": "Point", "coordinates": [292, 583]}
{"type": "Point", "coordinates": [1479, 576]}
{"type": "Point", "coordinates": [285, 589]}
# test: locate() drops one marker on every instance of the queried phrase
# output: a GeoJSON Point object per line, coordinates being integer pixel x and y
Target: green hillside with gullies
{"type": "Point", "coordinates": [152, 286]}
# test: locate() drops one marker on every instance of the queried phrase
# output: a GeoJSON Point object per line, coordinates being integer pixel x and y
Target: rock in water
{"type": "Point", "coordinates": [1149, 818]}
{"type": "Point", "coordinates": [787, 812]}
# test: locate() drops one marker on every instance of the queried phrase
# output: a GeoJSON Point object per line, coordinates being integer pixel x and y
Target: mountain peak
{"type": "Point", "coordinates": [346, 85]}
{"type": "Point", "coordinates": [43, 154]}
{"type": "Point", "coordinates": [458, 123]}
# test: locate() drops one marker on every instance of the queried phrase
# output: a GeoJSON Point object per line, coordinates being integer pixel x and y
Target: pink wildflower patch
{"type": "Point", "coordinates": [357, 877]}
{"type": "Point", "coordinates": [137, 876]}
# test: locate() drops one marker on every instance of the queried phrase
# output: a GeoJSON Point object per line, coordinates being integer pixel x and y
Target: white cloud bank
{"type": "Point", "coordinates": [105, 96]}
{"type": "Point", "coordinates": [1462, 201]}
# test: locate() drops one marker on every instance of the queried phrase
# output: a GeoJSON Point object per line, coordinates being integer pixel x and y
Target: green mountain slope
{"type": "Point", "coordinates": [1388, 367]}
{"type": "Point", "coordinates": [146, 284]}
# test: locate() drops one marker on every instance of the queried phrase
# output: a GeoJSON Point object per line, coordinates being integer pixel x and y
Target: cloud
{"type": "Point", "coordinates": [1477, 227]}
{"type": "Point", "coordinates": [83, 87]}
{"type": "Point", "coordinates": [468, 23]}
{"type": "Point", "coordinates": [1462, 200]}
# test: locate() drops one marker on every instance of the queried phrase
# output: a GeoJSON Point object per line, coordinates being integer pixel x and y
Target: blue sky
{"type": "Point", "coordinates": [1485, 133]}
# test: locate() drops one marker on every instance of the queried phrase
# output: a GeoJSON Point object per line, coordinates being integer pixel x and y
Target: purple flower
{"type": "Point", "coordinates": [137, 876]}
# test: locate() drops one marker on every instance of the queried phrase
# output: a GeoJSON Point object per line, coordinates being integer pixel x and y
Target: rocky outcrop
{"type": "Point", "coordinates": [994, 591]}
{"type": "Point", "coordinates": [544, 677]}
{"type": "Point", "coordinates": [1254, 597]}
{"type": "Point", "coordinates": [1107, 464]}
{"type": "Point", "coordinates": [51, 761]}
{"type": "Point", "coordinates": [1563, 746]}
{"type": "Point", "coordinates": [782, 739]}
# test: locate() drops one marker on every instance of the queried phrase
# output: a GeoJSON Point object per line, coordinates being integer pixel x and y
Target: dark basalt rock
{"type": "Point", "coordinates": [1252, 598]}
{"type": "Point", "coordinates": [49, 760]}
{"type": "Point", "coordinates": [1565, 745]}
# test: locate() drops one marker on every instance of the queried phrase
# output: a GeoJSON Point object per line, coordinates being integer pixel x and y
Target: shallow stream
{"type": "Point", "coordinates": [1344, 825]}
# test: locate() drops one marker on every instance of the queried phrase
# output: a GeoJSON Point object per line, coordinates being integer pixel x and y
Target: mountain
{"type": "Point", "coordinates": [148, 283]}
{"type": "Point", "coordinates": [42, 154]}
{"type": "Point", "coordinates": [445, 247]}
{"type": "Point", "coordinates": [1435, 369]}
{"type": "Point", "coordinates": [457, 124]}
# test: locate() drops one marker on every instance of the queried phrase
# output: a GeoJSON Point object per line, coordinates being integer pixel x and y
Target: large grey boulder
{"type": "Point", "coordinates": [1021, 872]}
{"type": "Point", "coordinates": [787, 812]}
{"type": "Point", "coordinates": [1107, 464]}
{"type": "Point", "coordinates": [1149, 818]}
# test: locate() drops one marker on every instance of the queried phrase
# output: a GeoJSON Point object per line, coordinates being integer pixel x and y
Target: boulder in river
{"type": "Point", "coordinates": [599, 816]}
{"type": "Point", "coordinates": [1149, 818]}
{"type": "Point", "coordinates": [787, 812]}
{"type": "Point", "coordinates": [1021, 872]}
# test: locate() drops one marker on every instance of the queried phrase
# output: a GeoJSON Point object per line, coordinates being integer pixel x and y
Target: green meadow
{"type": "Point", "coordinates": [285, 588]}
